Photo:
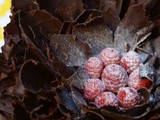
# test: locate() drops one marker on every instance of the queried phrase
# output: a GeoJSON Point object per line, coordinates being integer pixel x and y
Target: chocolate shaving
{"type": "Point", "coordinates": [97, 35]}
{"type": "Point", "coordinates": [64, 10]}
{"type": "Point", "coordinates": [36, 76]}
{"type": "Point", "coordinates": [116, 5]}
{"type": "Point", "coordinates": [27, 5]}
{"type": "Point", "coordinates": [129, 26]}
{"type": "Point", "coordinates": [69, 49]}
{"type": "Point", "coordinates": [111, 19]}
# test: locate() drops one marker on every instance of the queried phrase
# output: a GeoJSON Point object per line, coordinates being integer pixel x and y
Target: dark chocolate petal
{"type": "Point", "coordinates": [6, 104]}
{"type": "Point", "coordinates": [12, 28]}
{"type": "Point", "coordinates": [116, 5]}
{"type": "Point", "coordinates": [7, 82]}
{"type": "Point", "coordinates": [88, 15]}
{"type": "Point", "coordinates": [67, 27]}
{"type": "Point", "coordinates": [92, 116]}
{"type": "Point", "coordinates": [30, 53]}
{"type": "Point", "coordinates": [78, 79]}
{"type": "Point", "coordinates": [13, 46]}
{"type": "Point", "coordinates": [136, 11]}
{"type": "Point", "coordinates": [36, 76]}
{"type": "Point", "coordinates": [91, 113]}
{"type": "Point", "coordinates": [39, 21]}
{"type": "Point", "coordinates": [66, 100]}
{"type": "Point", "coordinates": [3, 66]}
{"type": "Point", "coordinates": [61, 68]}
{"type": "Point", "coordinates": [124, 8]}
{"type": "Point", "coordinates": [65, 10]}
{"type": "Point", "coordinates": [77, 97]}
{"type": "Point", "coordinates": [111, 18]}
{"type": "Point", "coordinates": [156, 43]}
{"type": "Point", "coordinates": [96, 33]}
{"type": "Point", "coordinates": [45, 109]}
{"type": "Point", "coordinates": [24, 5]}
{"type": "Point", "coordinates": [69, 49]}
{"type": "Point", "coordinates": [152, 7]}
{"type": "Point", "coordinates": [20, 113]}
{"type": "Point", "coordinates": [134, 21]}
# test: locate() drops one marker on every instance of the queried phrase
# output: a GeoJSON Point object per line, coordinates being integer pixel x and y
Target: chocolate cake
{"type": "Point", "coordinates": [47, 43]}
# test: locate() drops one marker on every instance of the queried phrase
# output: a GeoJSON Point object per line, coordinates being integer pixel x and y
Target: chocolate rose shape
{"type": "Point", "coordinates": [46, 46]}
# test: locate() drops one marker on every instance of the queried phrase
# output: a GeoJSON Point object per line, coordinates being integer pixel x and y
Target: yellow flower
{"type": "Point", "coordinates": [4, 9]}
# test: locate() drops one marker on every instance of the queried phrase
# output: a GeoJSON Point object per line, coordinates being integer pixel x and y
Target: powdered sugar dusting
{"type": "Point", "coordinates": [106, 99]}
{"type": "Point", "coordinates": [94, 67]}
{"type": "Point", "coordinates": [92, 88]}
{"type": "Point", "coordinates": [114, 77]}
{"type": "Point", "coordinates": [128, 97]}
{"type": "Point", "coordinates": [131, 61]}
{"type": "Point", "coordinates": [136, 82]}
{"type": "Point", "coordinates": [110, 56]}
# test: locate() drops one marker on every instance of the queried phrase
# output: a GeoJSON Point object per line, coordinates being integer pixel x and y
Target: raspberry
{"type": "Point", "coordinates": [128, 97]}
{"type": "Point", "coordinates": [114, 77]}
{"type": "Point", "coordinates": [136, 82]}
{"type": "Point", "coordinates": [94, 67]}
{"type": "Point", "coordinates": [92, 88]}
{"type": "Point", "coordinates": [106, 99]}
{"type": "Point", "coordinates": [110, 56]}
{"type": "Point", "coordinates": [130, 61]}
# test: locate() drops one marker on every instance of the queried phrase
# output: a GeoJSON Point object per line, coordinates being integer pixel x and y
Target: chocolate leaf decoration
{"type": "Point", "coordinates": [3, 67]}
{"type": "Point", "coordinates": [63, 9]}
{"type": "Point", "coordinates": [111, 19]}
{"type": "Point", "coordinates": [69, 49]}
{"type": "Point", "coordinates": [20, 113]}
{"type": "Point", "coordinates": [133, 21]}
{"type": "Point", "coordinates": [67, 27]}
{"type": "Point", "coordinates": [94, 4]}
{"type": "Point", "coordinates": [78, 98]}
{"type": "Point", "coordinates": [156, 45]}
{"type": "Point", "coordinates": [92, 116]}
{"type": "Point", "coordinates": [88, 15]}
{"type": "Point", "coordinates": [97, 35]}
{"type": "Point", "coordinates": [153, 9]}
{"type": "Point", "coordinates": [36, 76]}
{"type": "Point", "coordinates": [66, 100]}
{"type": "Point", "coordinates": [24, 5]}
{"type": "Point", "coordinates": [6, 104]}
{"type": "Point", "coordinates": [37, 22]}
{"type": "Point", "coordinates": [13, 48]}
{"type": "Point", "coordinates": [6, 82]}
{"type": "Point", "coordinates": [78, 79]}
{"type": "Point", "coordinates": [12, 28]}
{"type": "Point", "coordinates": [116, 5]}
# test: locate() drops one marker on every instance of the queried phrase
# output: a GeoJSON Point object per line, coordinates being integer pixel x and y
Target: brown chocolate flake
{"type": "Point", "coordinates": [70, 50]}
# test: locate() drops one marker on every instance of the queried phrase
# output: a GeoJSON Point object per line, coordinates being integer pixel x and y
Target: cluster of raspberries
{"type": "Point", "coordinates": [114, 80]}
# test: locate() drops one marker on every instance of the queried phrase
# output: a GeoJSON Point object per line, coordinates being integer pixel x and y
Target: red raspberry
{"type": "Point", "coordinates": [94, 67]}
{"type": "Point", "coordinates": [106, 99]}
{"type": "Point", "coordinates": [114, 77]}
{"type": "Point", "coordinates": [130, 61]}
{"type": "Point", "coordinates": [136, 82]}
{"type": "Point", "coordinates": [128, 97]}
{"type": "Point", "coordinates": [110, 56]}
{"type": "Point", "coordinates": [92, 88]}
